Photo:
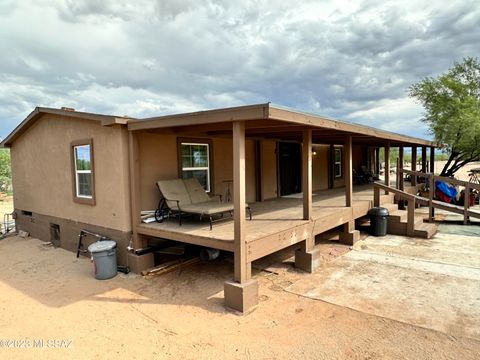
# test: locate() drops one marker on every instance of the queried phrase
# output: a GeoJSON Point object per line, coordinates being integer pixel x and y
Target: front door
{"type": "Point", "coordinates": [289, 161]}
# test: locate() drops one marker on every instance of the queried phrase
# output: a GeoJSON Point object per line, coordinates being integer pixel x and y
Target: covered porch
{"type": "Point", "coordinates": [278, 222]}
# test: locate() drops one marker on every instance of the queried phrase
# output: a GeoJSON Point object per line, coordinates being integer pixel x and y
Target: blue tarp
{"type": "Point", "coordinates": [446, 189]}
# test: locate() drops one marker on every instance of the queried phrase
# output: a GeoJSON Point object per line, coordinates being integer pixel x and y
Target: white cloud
{"type": "Point", "coordinates": [352, 60]}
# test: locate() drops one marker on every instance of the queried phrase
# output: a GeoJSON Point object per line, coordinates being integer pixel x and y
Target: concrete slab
{"type": "Point", "coordinates": [430, 283]}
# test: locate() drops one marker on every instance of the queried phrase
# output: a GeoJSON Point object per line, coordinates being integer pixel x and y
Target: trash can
{"type": "Point", "coordinates": [104, 258]}
{"type": "Point", "coordinates": [378, 221]}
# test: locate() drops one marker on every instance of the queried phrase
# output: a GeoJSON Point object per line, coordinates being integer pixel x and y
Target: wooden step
{"type": "Point", "coordinates": [397, 216]}
{"type": "Point", "coordinates": [425, 230]}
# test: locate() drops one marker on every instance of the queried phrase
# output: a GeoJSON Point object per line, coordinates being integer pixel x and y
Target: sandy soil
{"type": "Point", "coordinates": [47, 294]}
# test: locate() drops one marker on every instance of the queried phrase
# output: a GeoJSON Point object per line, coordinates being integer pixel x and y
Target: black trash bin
{"type": "Point", "coordinates": [378, 221]}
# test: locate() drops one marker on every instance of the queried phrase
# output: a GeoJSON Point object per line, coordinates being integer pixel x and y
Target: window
{"type": "Point", "coordinates": [195, 162]}
{"type": "Point", "coordinates": [338, 163]}
{"type": "Point", "coordinates": [83, 173]}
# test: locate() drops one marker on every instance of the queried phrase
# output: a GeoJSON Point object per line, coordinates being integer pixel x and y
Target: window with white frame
{"type": "Point", "coordinates": [195, 162]}
{"type": "Point", "coordinates": [338, 163]}
{"type": "Point", "coordinates": [83, 171]}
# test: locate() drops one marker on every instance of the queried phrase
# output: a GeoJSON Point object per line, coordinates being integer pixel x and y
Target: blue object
{"type": "Point", "coordinates": [447, 189]}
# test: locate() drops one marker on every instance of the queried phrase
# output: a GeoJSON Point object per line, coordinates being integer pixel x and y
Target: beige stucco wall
{"type": "Point", "coordinates": [159, 161]}
{"type": "Point", "coordinates": [320, 167]}
{"type": "Point", "coordinates": [269, 169]}
{"type": "Point", "coordinates": [42, 173]}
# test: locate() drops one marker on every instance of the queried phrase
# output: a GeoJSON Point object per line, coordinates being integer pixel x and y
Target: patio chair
{"type": "Point", "coordinates": [187, 196]}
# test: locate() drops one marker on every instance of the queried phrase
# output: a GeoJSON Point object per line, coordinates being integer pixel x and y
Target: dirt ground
{"type": "Point", "coordinates": [47, 294]}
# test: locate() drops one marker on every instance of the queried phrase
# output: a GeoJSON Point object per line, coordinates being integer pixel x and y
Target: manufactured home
{"type": "Point", "coordinates": [300, 175]}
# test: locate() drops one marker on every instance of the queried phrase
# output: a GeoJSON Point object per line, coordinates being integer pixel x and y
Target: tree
{"type": "Point", "coordinates": [5, 170]}
{"type": "Point", "coordinates": [452, 112]}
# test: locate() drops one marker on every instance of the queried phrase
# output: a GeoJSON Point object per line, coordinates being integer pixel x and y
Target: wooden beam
{"type": "Point", "coordinates": [387, 164]}
{"type": "Point", "coordinates": [242, 268]}
{"type": "Point", "coordinates": [400, 184]}
{"type": "Point", "coordinates": [424, 159]}
{"type": "Point", "coordinates": [241, 113]}
{"type": "Point", "coordinates": [322, 122]}
{"type": "Point", "coordinates": [348, 170]}
{"type": "Point", "coordinates": [377, 161]}
{"type": "Point", "coordinates": [307, 174]}
{"type": "Point", "coordinates": [134, 170]}
{"type": "Point", "coordinates": [432, 159]}
{"type": "Point", "coordinates": [414, 165]}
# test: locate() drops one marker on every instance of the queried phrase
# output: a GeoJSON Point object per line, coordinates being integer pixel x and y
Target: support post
{"type": "Point", "coordinates": [307, 258]}
{"type": "Point", "coordinates": [307, 174]}
{"type": "Point", "coordinates": [411, 217]}
{"type": "Point", "coordinates": [348, 171]}
{"type": "Point", "coordinates": [400, 169]}
{"type": "Point", "coordinates": [134, 169]}
{"type": "Point", "coordinates": [414, 165]}
{"type": "Point", "coordinates": [349, 235]}
{"type": "Point", "coordinates": [466, 204]}
{"type": "Point", "coordinates": [432, 159]}
{"type": "Point", "coordinates": [424, 159]}
{"type": "Point", "coordinates": [431, 192]}
{"type": "Point", "coordinates": [242, 293]}
{"type": "Point", "coordinates": [377, 161]}
{"type": "Point", "coordinates": [387, 165]}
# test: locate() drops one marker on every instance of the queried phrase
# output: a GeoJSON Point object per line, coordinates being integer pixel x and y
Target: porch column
{"type": "Point", "coordinates": [432, 159]}
{"type": "Point", "coordinates": [307, 174]}
{"type": "Point", "coordinates": [424, 159]}
{"type": "Point", "coordinates": [307, 258]}
{"type": "Point", "coordinates": [387, 164]}
{"type": "Point", "coordinates": [400, 167]}
{"type": "Point", "coordinates": [377, 161]}
{"type": "Point", "coordinates": [242, 293]}
{"type": "Point", "coordinates": [349, 235]}
{"type": "Point", "coordinates": [414, 165]}
{"type": "Point", "coordinates": [136, 263]}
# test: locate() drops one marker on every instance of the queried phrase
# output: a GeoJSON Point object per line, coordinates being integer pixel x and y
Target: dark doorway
{"type": "Point", "coordinates": [290, 169]}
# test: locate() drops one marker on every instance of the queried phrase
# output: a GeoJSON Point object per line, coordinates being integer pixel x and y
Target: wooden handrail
{"type": "Point", "coordinates": [430, 201]}
{"type": "Point", "coordinates": [400, 193]}
{"type": "Point", "coordinates": [442, 178]}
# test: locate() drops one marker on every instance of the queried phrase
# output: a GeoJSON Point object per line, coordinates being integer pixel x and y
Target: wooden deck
{"type": "Point", "coordinates": [276, 224]}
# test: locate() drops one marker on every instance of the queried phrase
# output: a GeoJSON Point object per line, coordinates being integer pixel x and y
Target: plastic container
{"type": "Point", "coordinates": [104, 258]}
{"type": "Point", "coordinates": [378, 221]}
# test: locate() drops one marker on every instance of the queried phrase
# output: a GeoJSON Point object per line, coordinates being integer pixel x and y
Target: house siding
{"type": "Point", "coordinates": [42, 175]}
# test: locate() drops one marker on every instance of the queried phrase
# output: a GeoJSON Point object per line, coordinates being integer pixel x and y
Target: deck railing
{"type": "Point", "coordinates": [430, 179]}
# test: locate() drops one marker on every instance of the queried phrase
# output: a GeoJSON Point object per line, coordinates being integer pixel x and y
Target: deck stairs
{"type": "Point", "coordinates": [397, 223]}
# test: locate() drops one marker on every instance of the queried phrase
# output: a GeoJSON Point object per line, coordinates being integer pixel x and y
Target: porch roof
{"type": "Point", "coordinates": [276, 122]}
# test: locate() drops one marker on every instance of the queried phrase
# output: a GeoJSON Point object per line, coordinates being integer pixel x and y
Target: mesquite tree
{"type": "Point", "coordinates": [452, 112]}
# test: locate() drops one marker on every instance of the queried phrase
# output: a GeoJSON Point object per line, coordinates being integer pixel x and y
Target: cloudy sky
{"type": "Point", "coordinates": [351, 60]}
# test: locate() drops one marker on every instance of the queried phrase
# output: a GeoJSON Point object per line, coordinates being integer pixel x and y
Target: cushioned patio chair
{"type": "Point", "coordinates": [187, 196]}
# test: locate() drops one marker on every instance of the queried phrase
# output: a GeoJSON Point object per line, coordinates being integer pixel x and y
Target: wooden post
{"type": "Point", "coordinates": [424, 159]}
{"type": "Point", "coordinates": [400, 168]}
{"type": "Point", "coordinates": [377, 161]}
{"type": "Point", "coordinates": [411, 217]}
{"type": "Point", "coordinates": [414, 165]}
{"type": "Point", "coordinates": [134, 165]}
{"type": "Point", "coordinates": [431, 192]}
{"type": "Point", "coordinates": [432, 159]}
{"type": "Point", "coordinates": [376, 196]}
{"type": "Point", "coordinates": [387, 165]}
{"type": "Point", "coordinates": [348, 170]}
{"type": "Point", "coordinates": [242, 269]}
{"type": "Point", "coordinates": [307, 174]}
{"type": "Point", "coordinates": [466, 203]}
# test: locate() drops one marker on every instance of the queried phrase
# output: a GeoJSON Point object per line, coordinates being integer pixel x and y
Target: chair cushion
{"type": "Point", "coordinates": [174, 190]}
{"type": "Point", "coordinates": [196, 191]}
{"type": "Point", "coordinates": [208, 208]}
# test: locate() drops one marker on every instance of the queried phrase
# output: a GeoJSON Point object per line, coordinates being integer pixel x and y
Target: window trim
{"type": "Point", "coordinates": [196, 141]}
{"type": "Point", "coordinates": [76, 198]}
{"type": "Point", "coordinates": [340, 149]}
